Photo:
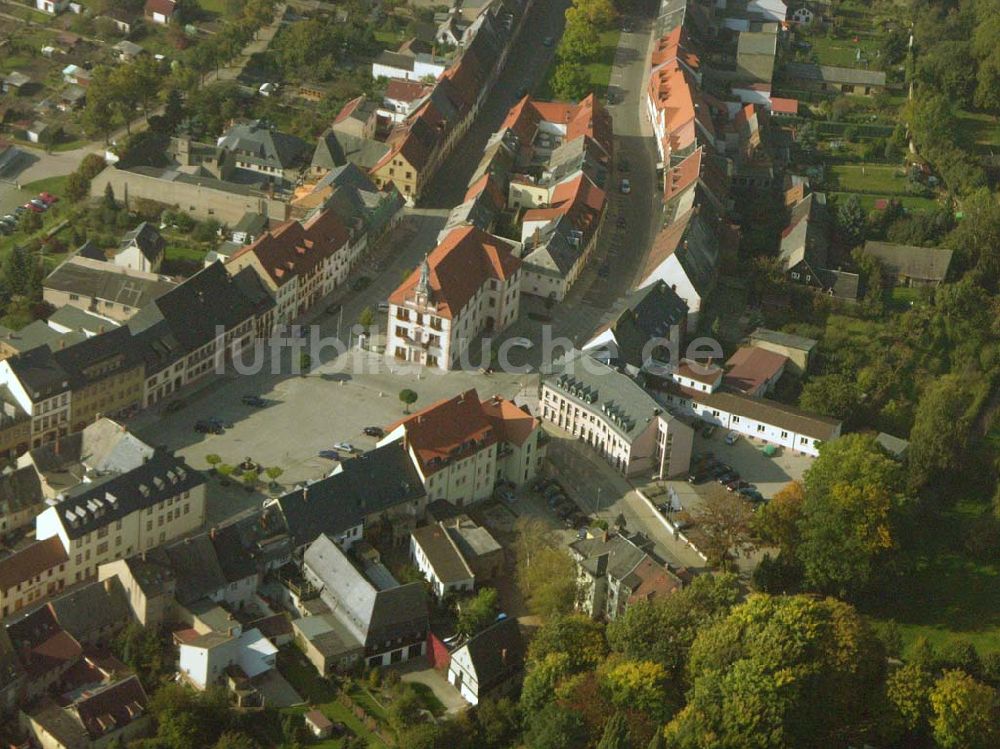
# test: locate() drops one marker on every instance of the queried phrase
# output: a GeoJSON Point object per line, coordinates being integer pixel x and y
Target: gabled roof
{"type": "Point", "coordinates": [750, 367]}
{"type": "Point", "coordinates": [788, 340]}
{"type": "Point", "coordinates": [146, 237]}
{"type": "Point", "coordinates": [30, 561]}
{"type": "Point", "coordinates": [376, 481]}
{"type": "Point", "coordinates": [442, 555]}
{"type": "Point", "coordinates": [112, 707]}
{"type": "Point", "coordinates": [695, 246]}
{"type": "Point", "coordinates": [833, 74]}
{"type": "Point", "coordinates": [459, 266]}
{"type": "Point", "coordinates": [260, 144]}
{"type": "Point", "coordinates": [650, 312]}
{"type": "Point", "coordinates": [41, 643]}
{"type": "Point", "coordinates": [920, 263]}
{"type": "Point", "coordinates": [375, 616]}
{"type": "Point", "coordinates": [451, 428]}
{"type": "Point", "coordinates": [496, 653]}
{"type": "Point", "coordinates": [163, 7]}
{"type": "Point", "coordinates": [806, 238]}
{"type": "Point", "coordinates": [85, 611]}
{"type": "Point", "coordinates": [510, 422]}
{"type": "Point", "coordinates": [19, 490]}
{"type": "Point", "coordinates": [195, 566]}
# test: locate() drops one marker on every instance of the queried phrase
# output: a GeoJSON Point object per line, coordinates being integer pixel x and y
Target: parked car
{"type": "Point", "coordinates": [552, 490]}
{"type": "Point", "coordinates": [174, 405]}
{"type": "Point", "coordinates": [737, 485]}
{"type": "Point", "coordinates": [19, 210]}
{"type": "Point", "coordinates": [727, 477]}
{"type": "Point", "coordinates": [359, 283]}
{"type": "Point", "coordinates": [204, 426]}
{"type": "Point", "coordinates": [751, 494]}
{"type": "Point", "coordinates": [625, 185]}
{"type": "Point", "coordinates": [47, 198]}
{"type": "Point", "coordinates": [347, 447]}
{"type": "Point", "coordinates": [378, 432]}
{"type": "Point", "coordinates": [10, 219]}
{"type": "Point", "coordinates": [332, 309]}
{"type": "Point", "coordinates": [548, 41]}
{"type": "Point", "coordinates": [697, 478]}
{"type": "Point", "coordinates": [732, 438]}
{"type": "Point", "coordinates": [33, 208]}
{"type": "Point", "coordinates": [708, 431]}
{"type": "Point", "coordinates": [623, 165]}
{"type": "Point", "coordinates": [329, 454]}
{"type": "Point", "coordinates": [253, 400]}
{"type": "Point", "coordinates": [604, 271]}
{"type": "Point", "coordinates": [219, 422]}
{"type": "Point", "coordinates": [505, 494]}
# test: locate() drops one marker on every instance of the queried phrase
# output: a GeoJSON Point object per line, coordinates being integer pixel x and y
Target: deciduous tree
{"type": "Point", "coordinates": [965, 713]}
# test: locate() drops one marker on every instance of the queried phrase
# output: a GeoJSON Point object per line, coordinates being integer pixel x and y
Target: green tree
{"type": "Point", "coordinates": [404, 711]}
{"type": "Point", "coordinates": [639, 685]}
{"type": "Point", "coordinates": [851, 220]}
{"type": "Point", "coordinates": [544, 675]}
{"type": "Point", "coordinates": [546, 574]}
{"type": "Point", "coordinates": [908, 689]}
{"type": "Point", "coordinates": [407, 397]}
{"type": "Point", "coordinates": [940, 430]}
{"type": "Point", "coordinates": [213, 460]}
{"type": "Point", "coordinates": [782, 671]}
{"type": "Point", "coordinates": [570, 81]}
{"type": "Point", "coordinates": [580, 42]}
{"type": "Point", "coordinates": [477, 613]}
{"type": "Point", "coordinates": [579, 636]}
{"type": "Point", "coordinates": [835, 395]}
{"type": "Point", "coordinates": [657, 742]}
{"type": "Point", "coordinates": [965, 713]}
{"type": "Point", "coordinates": [235, 740]}
{"type": "Point", "coordinates": [854, 499]}
{"type": "Point", "coordinates": [724, 521]}
{"type": "Point", "coordinates": [76, 188]}
{"type": "Point", "coordinates": [498, 723]}
{"type": "Point", "coordinates": [777, 522]}
{"type": "Point", "coordinates": [615, 733]}
{"type": "Point", "coordinates": [366, 317]}
{"type": "Point", "coordinates": [987, 94]}
{"type": "Point", "coordinates": [554, 727]}
{"type": "Point", "coordinates": [110, 204]}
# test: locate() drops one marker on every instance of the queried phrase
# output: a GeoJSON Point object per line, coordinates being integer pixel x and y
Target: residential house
{"type": "Point", "coordinates": [421, 67]}
{"type": "Point", "coordinates": [102, 288]}
{"type": "Point", "coordinates": [93, 715]}
{"type": "Point", "coordinates": [318, 724]}
{"type": "Point", "coordinates": [911, 266]}
{"type": "Point", "coordinates": [647, 332]}
{"type": "Point", "coordinates": [31, 574]}
{"type": "Point", "coordinates": [93, 613]}
{"type": "Point", "coordinates": [437, 557]}
{"type": "Point", "coordinates": [401, 99]}
{"type": "Point", "coordinates": [21, 498]}
{"type": "Point", "coordinates": [833, 80]}
{"type": "Point", "coordinates": [45, 651]}
{"type": "Point", "coordinates": [805, 247]}
{"type": "Point", "coordinates": [753, 371]}
{"type": "Point", "coordinates": [258, 147]}
{"type": "Point", "coordinates": [248, 228]}
{"type": "Point", "coordinates": [468, 285]}
{"type": "Point", "coordinates": [124, 514]}
{"type": "Point", "coordinates": [380, 489]}
{"type": "Point", "coordinates": [610, 412]}
{"type": "Point", "coordinates": [490, 663]}
{"type": "Point", "coordinates": [141, 249]}
{"type": "Point", "coordinates": [462, 446]}
{"type": "Point", "coordinates": [755, 53]}
{"type": "Point", "coordinates": [128, 51]}
{"type": "Point", "coordinates": [150, 586]}
{"type": "Point", "coordinates": [358, 118]}
{"type": "Point", "coordinates": [207, 659]}
{"type": "Point", "coordinates": [797, 349]}
{"type": "Point", "coordinates": [160, 11]}
{"type": "Point", "coordinates": [52, 7]}
{"type": "Point", "coordinates": [381, 621]}
{"type": "Point", "coordinates": [615, 571]}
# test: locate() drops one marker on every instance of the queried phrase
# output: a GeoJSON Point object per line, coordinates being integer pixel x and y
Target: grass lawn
{"type": "Point", "coordinates": [54, 185]}
{"type": "Point", "coordinates": [600, 69]}
{"type": "Point", "coordinates": [908, 202]}
{"type": "Point", "coordinates": [213, 6]}
{"type": "Point", "coordinates": [322, 695]}
{"type": "Point", "coordinates": [390, 39]}
{"type": "Point", "coordinates": [981, 129]}
{"type": "Point", "coordinates": [949, 596]}
{"type": "Point", "coordinates": [867, 178]}
{"type": "Point", "coordinates": [842, 52]}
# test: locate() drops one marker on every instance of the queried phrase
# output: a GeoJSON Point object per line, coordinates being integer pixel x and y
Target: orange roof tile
{"type": "Point", "coordinates": [784, 106]}
{"type": "Point", "coordinates": [679, 178]}
{"type": "Point", "coordinates": [459, 266]}
{"type": "Point", "coordinates": [512, 424]}
{"type": "Point", "coordinates": [30, 561]}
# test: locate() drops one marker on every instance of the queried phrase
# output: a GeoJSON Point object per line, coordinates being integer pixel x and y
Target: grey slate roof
{"type": "Point", "coordinates": [783, 339]}
{"type": "Point", "coordinates": [649, 313]}
{"type": "Point", "coordinates": [807, 237]}
{"type": "Point", "coordinates": [375, 616]}
{"type": "Point", "coordinates": [108, 283]}
{"type": "Point", "coordinates": [20, 490]}
{"type": "Point", "coordinates": [80, 320]}
{"type": "Point", "coordinates": [376, 481]}
{"type": "Point", "coordinates": [834, 75]}
{"type": "Point", "coordinates": [444, 557]}
{"type": "Point", "coordinates": [38, 333]}
{"type": "Point", "coordinates": [497, 653]}
{"type": "Point", "coordinates": [601, 389]}
{"type": "Point", "coordinates": [195, 567]}
{"type": "Point", "coordinates": [338, 148]}
{"type": "Point", "coordinates": [615, 557]}
{"type": "Point", "coordinates": [920, 263]}
{"type": "Point", "coordinates": [234, 558]}
{"type": "Point", "coordinates": [86, 611]}
{"type": "Point", "coordinates": [147, 238]}
{"type": "Point", "coordinates": [260, 144]}
{"type": "Point", "coordinates": [121, 495]}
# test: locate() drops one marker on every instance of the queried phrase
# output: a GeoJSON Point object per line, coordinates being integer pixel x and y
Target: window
{"type": "Point", "coordinates": [102, 548]}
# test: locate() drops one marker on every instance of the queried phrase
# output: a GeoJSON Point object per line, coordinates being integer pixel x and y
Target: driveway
{"type": "Point", "coordinates": [32, 164]}
{"type": "Point", "coordinates": [417, 671]}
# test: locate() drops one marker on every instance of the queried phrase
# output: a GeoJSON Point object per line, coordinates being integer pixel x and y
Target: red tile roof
{"type": "Point", "coordinates": [679, 178]}
{"type": "Point", "coordinates": [163, 7]}
{"type": "Point", "coordinates": [451, 428]}
{"type": "Point", "coordinates": [400, 89]}
{"type": "Point", "coordinates": [750, 367]}
{"type": "Point", "coordinates": [293, 249]}
{"type": "Point", "coordinates": [707, 373]}
{"type": "Point", "coordinates": [784, 106]}
{"type": "Point", "coordinates": [112, 707]}
{"type": "Point", "coordinates": [30, 561]}
{"type": "Point", "coordinates": [666, 243]}
{"type": "Point", "coordinates": [459, 266]}
{"type": "Point", "coordinates": [586, 119]}
{"type": "Point", "coordinates": [672, 95]}
{"type": "Point", "coordinates": [675, 46]}
{"type": "Point", "coordinates": [348, 109]}
{"type": "Point", "coordinates": [655, 580]}
{"type": "Point", "coordinates": [512, 424]}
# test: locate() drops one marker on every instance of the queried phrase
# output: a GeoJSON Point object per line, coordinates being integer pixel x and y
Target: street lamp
{"type": "Point", "coordinates": [598, 500]}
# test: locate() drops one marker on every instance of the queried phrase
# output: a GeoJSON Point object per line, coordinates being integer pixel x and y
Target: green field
{"type": "Point", "coordinates": [867, 178]}
{"type": "Point", "coordinates": [981, 129]}
{"type": "Point", "coordinates": [600, 69]}
{"type": "Point", "coordinates": [910, 203]}
{"type": "Point", "coordinates": [842, 52]}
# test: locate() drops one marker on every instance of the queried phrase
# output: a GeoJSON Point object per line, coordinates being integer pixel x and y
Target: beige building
{"type": "Point", "coordinates": [126, 514]}
{"type": "Point", "coordinates": [615, 416]}
{"type": "Point", "coordinates": [796, 348]}
{"type": "Point", "coordinates": [462, 446]}
{"type": "Point", "coordinates": [35, 572]}
{"type": "Point", "coordinates": [149, 586]}
{"type": "Point", "coordinates": [468, 285]}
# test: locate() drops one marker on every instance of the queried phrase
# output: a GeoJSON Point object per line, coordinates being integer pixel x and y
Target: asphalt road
{"type": "Point", "coordinates": [527, 65]}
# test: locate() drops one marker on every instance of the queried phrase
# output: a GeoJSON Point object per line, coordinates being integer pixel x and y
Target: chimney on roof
{"type": "Point", "coordinates": [211, 533]}
{"type": "Point", "coordinates": [108, 581]}
{"type": "Point", "coordinates": [607, 535]}
{"type": "Point", "coordinates": [305, 493]}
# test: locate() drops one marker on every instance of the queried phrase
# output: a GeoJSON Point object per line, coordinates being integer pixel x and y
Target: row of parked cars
{"type": "Point", "coordinates": [707, 467]}
{"type": "Point", "coordinates": [560, 503]}
{"type": "Point", "coordinates": [40, 204]}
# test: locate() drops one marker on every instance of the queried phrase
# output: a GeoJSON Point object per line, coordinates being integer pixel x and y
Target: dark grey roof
{"type": "Point", "coordinates": [338, 148]}
{"type": "Point", "coordinates": [921, 263]}
{"type": "Point", "coordinates": [107, 283]}
{"type": "Point", "coordinates": [147, 238]}
{"type": "Point", "coordinates": [195, 567]}
{"type": "Point", "coordinates": [650, 312]}
{"type": "Point", "coordinates": [395, 60]}
{"type": "Point", "coordinates": [234, 558]}
{"type": "Point", "coordinates": [20, 490]}
{"type": "Point", "coordinates": [259, 143]}
{"type": "Point", "coordinates": [841, 284]}
{"type": "Point", "coordinates": [251, 223]}
{"type": "Point", "coordinates": [38, 333]}
{"type": "Point", "coordinates": [97, 606]}
{"type": "Point", "coordinates": [91, 251]}
{"type": "Point", "coordinates": [377, 616]}
{"type": "Point", "coordinates": [81, 320]}
{"type": "Point", "coordinates": [783, 339]}
{"type": "Point", "coordinates": [444, 557]}
{"type": "Point", "coordinates": [376, 481]}
{"type": "Point", "coordinates": [833, 74]}
{"type": "Point", "coordinates": [497, 653]}
{"type": "Point", "coordinates": [99, 503]}
{"type": "Point", "coordinates": [39, 373]}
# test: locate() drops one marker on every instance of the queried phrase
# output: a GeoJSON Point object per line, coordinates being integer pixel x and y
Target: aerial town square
{"type": "Point", "coordinates": [499, 374]}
